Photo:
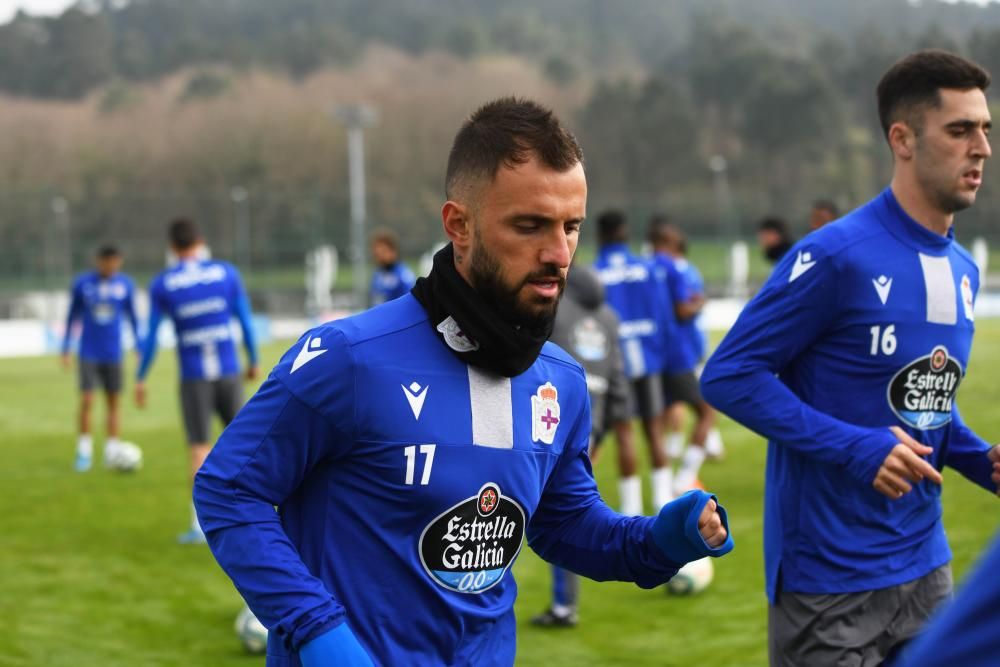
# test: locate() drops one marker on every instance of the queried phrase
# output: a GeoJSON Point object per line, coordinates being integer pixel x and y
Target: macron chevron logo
{"type": "Point", "coordinates": [415, 395]}
{"type": "Point", "coordinates": [803, 262]}
{"type": "Point", "coordinates": [882, 286]}
{"type": "Point", "coordinates": [308, 352]}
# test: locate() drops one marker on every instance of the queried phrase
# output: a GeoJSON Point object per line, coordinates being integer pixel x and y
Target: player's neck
{"type": "Point", "coordinates": [915, 202]}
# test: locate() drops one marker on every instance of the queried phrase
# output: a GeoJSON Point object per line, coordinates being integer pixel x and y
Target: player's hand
{"type": "Point", "coordinates": [710, 526]}
{"type": "Point", "coordinates": [252, 372]}
{"type": "Point", "coordinates": [904, 467]}
{"type": "Point", "coordinates": [140, 394]}
{"type": "Point", "coordinates": [65, 360]}
{"type": "Point", "coordinates": [994, 455]}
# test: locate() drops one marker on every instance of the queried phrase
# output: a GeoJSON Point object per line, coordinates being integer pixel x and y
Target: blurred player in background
{"type": "Point", "coordinates": [200, 296]}
{"type": "Point", "coordinates": [848, 361]}
{"type": "Point", "coordinates": [774, 238]}
{"type": "Point", "coordinates": [98, 300]}
{"type": "Point", "coordinates": [633, 292]}
{"type": "Point", "coordinates": [410, 449]}
{"type": "Point", "coordinates": [823, 211]}
{"type": "Point", "coordinates": [588, 329]}
{"type": "Point", "coordinates": [391, 278]}
{"type": "Point", "coordinates": [685, 292]}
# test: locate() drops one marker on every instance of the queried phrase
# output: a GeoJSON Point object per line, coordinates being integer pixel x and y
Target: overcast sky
{"type": "Point", "coordinates": [9, 7]}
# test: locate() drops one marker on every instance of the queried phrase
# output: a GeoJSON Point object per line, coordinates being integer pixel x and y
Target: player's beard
{"type": "Point", "coordinates": [486, 274]}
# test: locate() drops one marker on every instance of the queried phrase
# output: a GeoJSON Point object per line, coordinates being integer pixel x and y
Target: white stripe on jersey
{"type": "Point", "coordinates": [942, 301]}
{"type": "Point", "coordinates": [492, 409]}
{"type": "Point", "coordinates": [210, 364]}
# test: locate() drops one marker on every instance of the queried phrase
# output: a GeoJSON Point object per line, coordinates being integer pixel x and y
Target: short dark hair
{"type": "Point", "coordinates": [611, 227]}
{"type": "Point", "coordinates": [507, 132]}
{"type": "Point", "coordinates": [386, 236]}
{"type": "Point", "coordinates": [663, 232]}
{"type": "Point", "coordinates": [659, 228]}
{"type": "Point", "coordinates": [774, 224]}
{"type": "Point", "coordinates": [827, 205]}
{"type": "Point", "coordinates": [107, 251]}
{"type": "Point", "coordinates": [914, 83]}
{"type": "Point", "coordinates": [183, 233]}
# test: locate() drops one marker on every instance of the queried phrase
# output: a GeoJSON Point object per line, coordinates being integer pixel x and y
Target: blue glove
{"type": "Point", "coordinates": [338, 647]}
{"type": "Point", "coordinates": [675, 529]}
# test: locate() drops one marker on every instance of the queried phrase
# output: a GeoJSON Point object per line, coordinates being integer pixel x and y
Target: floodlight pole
{"type": "Point", "coordinates": [723, 198]}
{"type": "Point", "coordinates": [241, 220]}
{"type": "Point", "coordinates": [356, 118]}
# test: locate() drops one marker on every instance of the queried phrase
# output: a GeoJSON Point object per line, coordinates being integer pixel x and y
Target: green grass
{"type": "Point", "coordinates": [90, 573]}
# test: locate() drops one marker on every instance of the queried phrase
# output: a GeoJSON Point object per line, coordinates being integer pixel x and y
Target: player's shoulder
{"type": "Point", "coordinates": [843, 240]}
{"type": "Point", "coordinates": [350, 333]}
{"type": "Point", "coordinates": [965, 257]}
{"type": "Point", "coordinates": [83, 278]}
{"type": "Point", "coordinates": [383, 320]}
{"type": "Point", "coordinates": [561, 359]}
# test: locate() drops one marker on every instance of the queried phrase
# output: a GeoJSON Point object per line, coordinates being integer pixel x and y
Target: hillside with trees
{"type": "Point", "coordinates": [134, 111]}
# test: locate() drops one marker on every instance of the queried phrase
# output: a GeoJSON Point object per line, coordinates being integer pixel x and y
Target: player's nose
{"type": "Point", "coordinates": [556, 249]}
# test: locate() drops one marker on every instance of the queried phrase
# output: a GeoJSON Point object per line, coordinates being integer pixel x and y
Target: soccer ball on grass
{"type": "Point", "coordinates": [252, 634]}
{"type": "Point", "coordinates": [693, 578]}
{"type": "Point", "coordinates": [124, 457]}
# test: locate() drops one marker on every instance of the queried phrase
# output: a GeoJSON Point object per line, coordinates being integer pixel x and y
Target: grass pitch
{"type": "Point", "coordinates": [90, 573]}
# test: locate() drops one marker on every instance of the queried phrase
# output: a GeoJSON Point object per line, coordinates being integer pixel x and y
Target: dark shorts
{"type": "Point", "coordinates": [647, 396]}
{"type": "Point", "coordinates": [682, 387]}
{"type": "Point", "coordinates": [200, 399]}
{"type": "Point", "coordinates": [106, 374]}
{"type": "Point", "coordinates": [854, 629]}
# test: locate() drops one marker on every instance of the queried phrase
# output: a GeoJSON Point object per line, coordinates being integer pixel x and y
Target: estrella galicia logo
{"type": "Point", "coordinates": [468, 548]}
{"type": "Point", "coordinates": [923, 392]}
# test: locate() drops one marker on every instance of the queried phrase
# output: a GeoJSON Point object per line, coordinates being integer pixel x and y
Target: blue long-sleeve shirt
{"type": "Point", "coordinates": [390, 283]}
{"type": "Point", "coordinates": [100, 304]}
{"type": "Point", "coordinates": [866, 323]}
{"type": "Point", "coordinates": [201, 297]}
{"type": "Point", "coordinates": [679, 356]}
{"type": "Point", "coordinates": [405, 481]}
{"type": "Point", "coordinates": [633, 289]}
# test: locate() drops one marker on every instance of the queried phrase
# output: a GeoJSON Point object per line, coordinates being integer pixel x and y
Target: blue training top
{"type": "Point", "coordinates": [200, 297]}
{"type": "Point", "coordinates": [866, 323]}
{"type": "Point", "coordinates": [633, 290]}
{"type": "Point", "coordinates": [679, 356]}
{"type": "Point", "coordinates": [405, 481]}
{"type": "Point", "coordinates": [99, 303]}
{"type": "Point", "coordinates": [692, 332]}
{"type": "Point", "coordinates": [391, 283]}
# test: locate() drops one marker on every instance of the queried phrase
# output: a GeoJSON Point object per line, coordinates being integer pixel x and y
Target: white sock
{"type": "Point", "coordinates": [195, 525]}
{"type": "Point", "coordinates": [663, 489]}
{"type": "Point", "coordinates": [85, 445]}
{"type": "Point", "coordinates": [561, 610]}
{"type": "Point", "coordinates": [630, 495]}
{"type": "Point", "coordinates": [112, 444]}
{"type": "Point", "coordinates": [687, 474]}
{"type": "Point", "coordinates": [675, 445]}
{"type": "Point", "coordinates": [713, 443]}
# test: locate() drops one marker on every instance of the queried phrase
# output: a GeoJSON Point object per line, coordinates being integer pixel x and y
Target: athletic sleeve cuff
{"type": "Point", "coordinates": [675, 530]}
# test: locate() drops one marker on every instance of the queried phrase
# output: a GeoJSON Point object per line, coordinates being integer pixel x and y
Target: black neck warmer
{"type": "Point", "coordinates": [472, 328]}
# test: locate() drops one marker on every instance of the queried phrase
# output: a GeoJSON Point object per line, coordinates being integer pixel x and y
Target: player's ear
{"type": "Point", "coordinates": [902, 140]}
{"type": "Point", "coordinates": [457, 222]}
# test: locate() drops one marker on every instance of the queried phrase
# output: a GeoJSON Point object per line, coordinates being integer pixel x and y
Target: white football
{"type": "Point", "coordinates": [252, 634]}
{"type": "Point", "coordinates": [125, 457]}
{"type": "Point", "coordinates": [693, 578]}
